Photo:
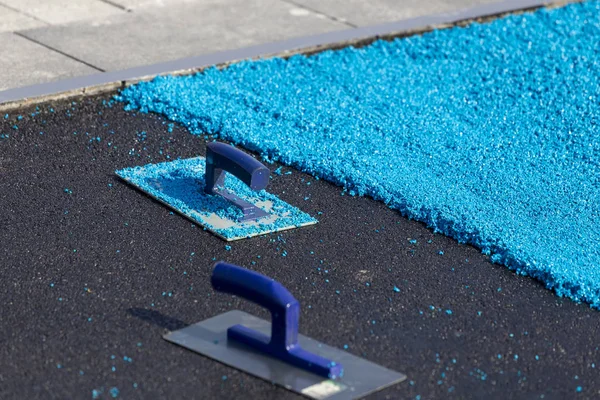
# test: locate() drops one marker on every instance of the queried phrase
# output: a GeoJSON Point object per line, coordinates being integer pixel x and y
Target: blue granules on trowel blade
{"type": "Point", "coordinates": [488, 133]}
{"type": "Point", "coordinates": [180, 185]}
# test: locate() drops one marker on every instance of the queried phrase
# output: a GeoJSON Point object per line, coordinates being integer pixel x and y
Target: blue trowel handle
{"type": "Point", "coordinates": [223, 157]}
{"type": "Point", "coordinates": [285, 312]}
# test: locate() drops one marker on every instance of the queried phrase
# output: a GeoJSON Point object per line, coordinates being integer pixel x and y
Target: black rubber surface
{"type": "Point", "coordinates": [93, 269]}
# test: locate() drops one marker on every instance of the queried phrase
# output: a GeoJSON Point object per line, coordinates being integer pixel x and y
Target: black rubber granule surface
{"type": "Point", "coordinates": [94, 272]}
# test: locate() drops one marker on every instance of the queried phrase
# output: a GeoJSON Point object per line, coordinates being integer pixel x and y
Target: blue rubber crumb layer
{"type": "Point", "coordinates": [180, 184]}
{"type": "Point", "coordinates": [488, 133]}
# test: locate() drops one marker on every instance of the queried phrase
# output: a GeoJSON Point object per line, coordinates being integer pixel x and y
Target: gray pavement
{"type": "Point", "coordinates": [24, 62]}
{"type": "Point", "coordinates": [12, 20]}
{"type": "Point", "coordinates": [48, 40]}
{"type": "Point", "coordinates": [63, 11]}
{"type": "Point", "coordinates": [372, 12]}
{"type": "Point", "coordinates": [189, 29]}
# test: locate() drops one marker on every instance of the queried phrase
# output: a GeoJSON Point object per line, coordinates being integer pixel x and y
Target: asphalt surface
{"type": "Point", "coordinates": [94, 272]}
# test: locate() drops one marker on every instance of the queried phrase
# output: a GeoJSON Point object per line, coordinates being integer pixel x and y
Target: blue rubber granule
{"type": "Point", "coordinates": [114, 392]}
{"type": "Point", "coordinates": [487, 133]}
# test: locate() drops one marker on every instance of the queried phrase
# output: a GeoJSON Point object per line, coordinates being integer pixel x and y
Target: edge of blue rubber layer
{"type": "Point", "coordinates": [178, 184]}
{"type": "Point", "coordinates": [460, 92]}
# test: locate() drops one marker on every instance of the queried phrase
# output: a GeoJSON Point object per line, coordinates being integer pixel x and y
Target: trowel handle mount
{"type": "Point", "coordinates": [221, 157]}
{"type": "Point", "coordinates": [285, 312]}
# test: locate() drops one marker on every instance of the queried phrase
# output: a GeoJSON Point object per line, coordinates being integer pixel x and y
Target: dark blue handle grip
{"type": "Point", "coordinates": [252, 286]}
{"type": "Point", "coordinates": [221, 157]}
{"type": "Point", "coordinates": [285, 312]}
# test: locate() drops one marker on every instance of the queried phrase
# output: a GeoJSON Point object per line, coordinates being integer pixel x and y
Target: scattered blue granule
{"type": "Point", "coordinates": [227, 247]}
{"type": "Point", "coordinates": [114, 392]}
{"type": "Point", "coordinates": [68, 191]}
{"type": "Point", "coordinates": [478, 374]}
{"type": "Point", "coordinates": [396, 289]}
{"type": "Point", "coordinates": [277, 171]}
{"type": "Point", "coordinates": [180, 184]}
{"type": "Point", "coordinates": [466, 129]}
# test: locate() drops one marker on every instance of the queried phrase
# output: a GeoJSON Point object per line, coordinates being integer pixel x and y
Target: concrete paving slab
{"type": "Point", "coordinates": [12, 20]}
{"type": "Point", "coordinates": [155, 35]}
{"type": "Point", "coordinates": [64, 11]}
{"type": "Point", "coordinates": [29, 63]}
{"type": "Point", "coordinates": [138, 4]}
{"type": "Point", "coordinates": [363, 13]}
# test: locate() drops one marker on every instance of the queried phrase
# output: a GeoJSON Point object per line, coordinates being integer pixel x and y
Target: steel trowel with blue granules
{"type": "Point", "coordinates": [275, 351]}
